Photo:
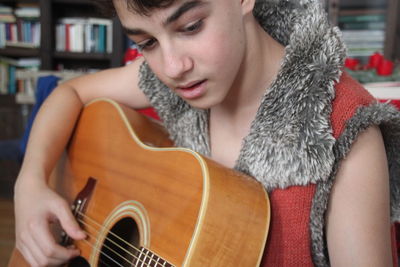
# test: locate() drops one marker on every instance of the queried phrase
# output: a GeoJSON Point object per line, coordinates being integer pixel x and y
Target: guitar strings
{"type": "Point", "coordinates": [116, 253]}
{"type": "Point", "coordinates": [103, 253]}
{"type": "Point", "coordinates": [143, 263]}
{"type": "Point", "coordinates": [101, 227]}
{"type": "Point", "coordinates": [140, 261]}
{"type": "Point", "coordinates": [109, 239]}
{"type": "Point", "coordinates": [121, 239]}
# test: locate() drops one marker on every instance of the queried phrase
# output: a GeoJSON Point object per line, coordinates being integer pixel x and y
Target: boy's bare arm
{"type": "Point", "coordinates": [119, 84]}
{"type": "Point", "coordinates": [35, 204]}
{"type": "Point", "coordinates": [58, 114]}
{"type": "Point", "coordinates": [358, 217]}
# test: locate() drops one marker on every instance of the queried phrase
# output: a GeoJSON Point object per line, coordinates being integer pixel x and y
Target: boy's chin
{"type": "Point", "coordinates": [201, 103]}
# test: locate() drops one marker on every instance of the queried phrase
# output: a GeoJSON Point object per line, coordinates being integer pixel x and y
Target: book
{"type": "Point", "coordinates": [362, 18]}
{"type": "Point", "coordinates": [27, 12]}
{"type": "Point", "coordinates": [9, 83]}
{"type": "Point", "coordinates": [362, 25]}
{"type": "Point", "coordinates": [385, 92]}
{"type": "Point", "coordinates": [5, 9]}
{"type": "Point", "coordinates": [84, 35]}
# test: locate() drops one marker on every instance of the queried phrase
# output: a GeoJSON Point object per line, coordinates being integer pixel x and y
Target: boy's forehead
{"type": "Point", "coordinates": [164, 15]}
{"type": "Point", "coordinates": [141, 8]}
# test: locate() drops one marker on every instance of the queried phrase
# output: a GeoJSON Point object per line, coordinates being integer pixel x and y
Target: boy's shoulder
{"type": "Point", "coordinates": [349, 96]}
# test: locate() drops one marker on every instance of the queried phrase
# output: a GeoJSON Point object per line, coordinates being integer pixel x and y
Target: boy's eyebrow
{"type": "Point", "coordinates": [182, 10]}
{"type": "Point", "coordinates": [173, 17]}
{"type": "Point", "coordinates": [132, 31]}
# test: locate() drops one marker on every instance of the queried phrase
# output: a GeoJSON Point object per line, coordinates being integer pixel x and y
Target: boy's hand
{"type": "Point", "coordinates": [36, 207]}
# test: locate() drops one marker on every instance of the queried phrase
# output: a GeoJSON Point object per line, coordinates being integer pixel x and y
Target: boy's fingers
{"type": "Point", "coordinates": [69, 223]}
{"type": "Point", "coordinates": [28, 256]}
{"type": "Point", "coordinates": [33, 249]}
{"type": "Point", "coordinates": [53, 252]}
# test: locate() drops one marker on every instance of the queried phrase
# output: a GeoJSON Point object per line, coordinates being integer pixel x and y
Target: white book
{"type": "Point", "coordinates": [72, 20]}
{"type": "Point", "coordinates": [28, 62]}
{"type": "Point", "coordinates": [60, 32]}
{"type": "Point", "coordinates": [384, 90]}
{"type": "Point", "coordinates": [5, 9]}
{"type": "Point", "coordinates": [72, 37]}
{"type": "Point", "coordinates": [27, 12]}
{"type": "Point", "coordinates": [3, 77]}
{"type": "Point", "coordinates": [88, 41]}
{"type": "Point", "coordinates": [99, 21]}
{"type": "Point", "coordinates": [81, 38]}
{"type": "Point", "coordinates": [37, 34]}
{"type": "Point", "coordinates": [109, 38]}
{"type": "Point", "coordinates": [2, 35]}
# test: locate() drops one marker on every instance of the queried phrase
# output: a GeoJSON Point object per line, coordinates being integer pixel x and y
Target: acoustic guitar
{"type": "Point", "coordinates": [144, 202]}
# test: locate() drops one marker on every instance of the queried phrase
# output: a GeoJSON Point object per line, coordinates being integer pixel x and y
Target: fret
{"type": "Point", "coordinates": [156, 264]}
{"type": "Point", "coordinates": [137, 259]}
{"type": "Point", "coordinates": [151, 260]}
{"type": "Point", "coordinates": [144, 258]}
{"type": "Point", "coordinates": [147, 258]}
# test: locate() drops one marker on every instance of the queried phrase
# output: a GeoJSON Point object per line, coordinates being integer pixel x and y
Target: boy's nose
{"type": "Point", "coordinates": [176, 64]}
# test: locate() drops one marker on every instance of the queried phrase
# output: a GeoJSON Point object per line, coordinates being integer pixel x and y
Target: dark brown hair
{"type": "Point", "coordinates": [143, 7]}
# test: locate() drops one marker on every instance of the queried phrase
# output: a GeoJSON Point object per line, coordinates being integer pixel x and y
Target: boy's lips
{"type": "Point", "coordinates": [189, 85]}
{"type": "Point", "coordinates": [192, 90]}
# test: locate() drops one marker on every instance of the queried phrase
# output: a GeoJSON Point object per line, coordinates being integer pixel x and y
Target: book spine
{"type": "Point", "coordinates": [102, 38]}
{"type": "Point", "coordinates": [67, 37]}
{"type": "Point", "coordinates": [362, 18]}
{"type": "Point", "coordinates": [12, 83]}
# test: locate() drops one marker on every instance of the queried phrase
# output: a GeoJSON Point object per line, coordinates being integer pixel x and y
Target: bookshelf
{"type": "Point", "coordinates": [50, 12]}
{"type": "Point", "coordinates": [381, 18]}
{"type": "Point", "coordinates": [12, 113]}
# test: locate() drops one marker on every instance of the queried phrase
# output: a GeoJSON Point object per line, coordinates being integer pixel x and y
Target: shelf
{"type": "Point", "coordinates": [19, 52]}
{"type": "Point", "coordinates": [82, 56]}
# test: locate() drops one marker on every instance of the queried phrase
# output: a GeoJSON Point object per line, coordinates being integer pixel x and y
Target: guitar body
{"type": "Point", "coordinates": [144, 202]}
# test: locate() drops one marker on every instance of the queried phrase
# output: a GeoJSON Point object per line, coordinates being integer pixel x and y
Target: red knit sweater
{"type": "Point", "coordinates": [289, 242]}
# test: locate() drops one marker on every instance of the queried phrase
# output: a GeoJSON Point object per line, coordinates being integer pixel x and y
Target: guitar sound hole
{"type": "Point", "coordinates": [121, 245]}
{"type": "Point", "coordinates": [78, 262]}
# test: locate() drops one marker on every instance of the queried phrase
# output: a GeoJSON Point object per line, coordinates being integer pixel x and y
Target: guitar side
{"type": "Point", "coordinates": [189, 210]}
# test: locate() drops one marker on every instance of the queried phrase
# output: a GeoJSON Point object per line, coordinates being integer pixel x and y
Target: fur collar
{"type": "Point", "coordinates": [290, 140]}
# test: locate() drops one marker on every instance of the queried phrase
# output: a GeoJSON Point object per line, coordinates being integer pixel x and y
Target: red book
{"type": "Point", "coordinates": [67, 37]}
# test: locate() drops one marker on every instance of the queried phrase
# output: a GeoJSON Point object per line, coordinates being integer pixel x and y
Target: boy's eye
{"type": "Point", "coordinates": [192, 28]}
{"type": "Point", "coordinates": [148, 44]}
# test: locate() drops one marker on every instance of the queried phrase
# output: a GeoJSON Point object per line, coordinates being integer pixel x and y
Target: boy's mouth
{"type": "Point", "coordinates": [192, 90]}
{"type": "Point", "coordinates": [190, 85]}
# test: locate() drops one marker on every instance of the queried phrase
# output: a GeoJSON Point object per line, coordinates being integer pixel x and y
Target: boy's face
{"type": "Point", "coordinates": [195, 47]}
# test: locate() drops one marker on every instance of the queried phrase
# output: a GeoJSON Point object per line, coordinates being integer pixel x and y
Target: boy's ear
{"type": "Point", "coordinates": [247, 6]}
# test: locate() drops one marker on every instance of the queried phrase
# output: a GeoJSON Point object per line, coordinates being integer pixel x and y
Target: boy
{"type": "Point", "coordinates": [257, 88]}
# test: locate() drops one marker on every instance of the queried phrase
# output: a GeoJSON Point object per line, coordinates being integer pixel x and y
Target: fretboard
{"type": "Point", "coordinates": [147, 258]}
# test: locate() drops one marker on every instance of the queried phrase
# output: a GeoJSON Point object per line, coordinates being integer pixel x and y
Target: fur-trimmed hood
{"type": "Point", "coordinates": [293, 121]}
